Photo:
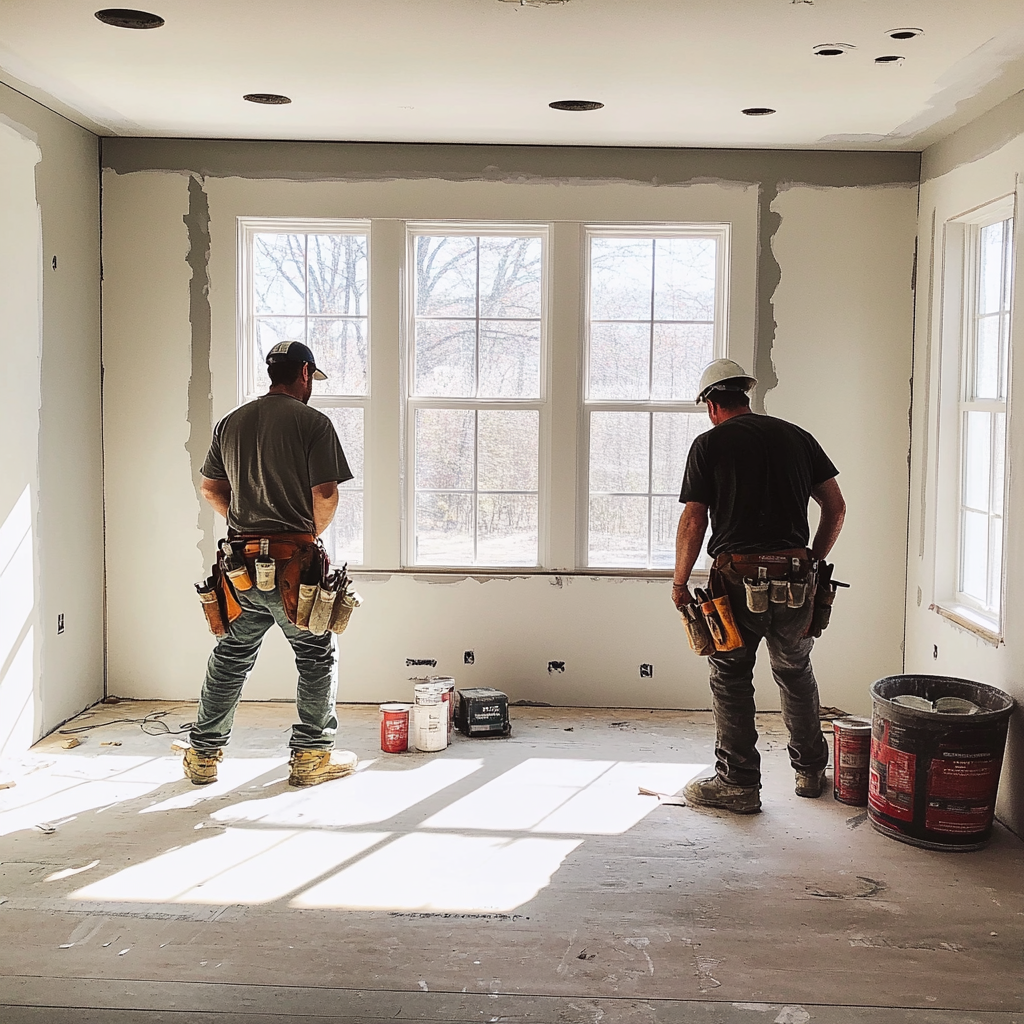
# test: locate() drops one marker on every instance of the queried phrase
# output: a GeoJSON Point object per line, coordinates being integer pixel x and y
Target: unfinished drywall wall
{"type": "Point", "coordinates": [602, 629]}
{"type": "Point", "coordinates": [981, 163]}
{"type": "Point", "coordinates": [51, 551]}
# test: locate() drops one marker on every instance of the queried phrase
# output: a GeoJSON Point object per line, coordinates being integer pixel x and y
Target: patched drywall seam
{"type": "Point", "coordinates": [200, 384]}
{"type": "Point", "coordinates": [769, 275]}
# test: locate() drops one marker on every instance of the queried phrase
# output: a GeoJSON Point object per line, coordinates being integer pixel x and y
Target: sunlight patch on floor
{"type": "Point", "coordinates": [247, 866]}
{"type": "Point", "coordinates": [420, 872]}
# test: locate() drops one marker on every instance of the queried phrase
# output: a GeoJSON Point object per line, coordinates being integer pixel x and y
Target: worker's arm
{"type": "Point", "coordinates": [833, 512]}
{"type": "Point", "coordinates": [693, 524]}
{"type": "Point", "coordinates": [325, 504]}
{"type": "Point", "coordinates": [217, 493]}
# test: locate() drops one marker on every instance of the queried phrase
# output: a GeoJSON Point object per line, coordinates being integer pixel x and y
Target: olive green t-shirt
{"type": "Point", "coordinates": [273, 451]}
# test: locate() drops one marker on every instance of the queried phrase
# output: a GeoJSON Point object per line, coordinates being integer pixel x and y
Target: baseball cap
{"type": "Point", "coordinates": [294, 352]}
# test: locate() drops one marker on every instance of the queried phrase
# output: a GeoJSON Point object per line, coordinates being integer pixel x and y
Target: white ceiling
{"type": "Point", "coordinates": [670, 72]}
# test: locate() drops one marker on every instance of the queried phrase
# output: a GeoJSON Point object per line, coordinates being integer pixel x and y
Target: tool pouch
{"type": "Point", "coordinates": [718, 614]}
{"type": "Point", "coordinates": [211, 607]}
{"type": "Point", "coordinates": [797, 593]}
{"type": "Point", "coordinates": [322, 610]}
{"type": "Point", "coordinates": [778, 591]}
{"type": "Point", "coordinates": [757, 594]}
{"type": "Point", "coordinates": [343, 607]}
{"type": "Point", "coordinates": [697, 634]}
{"type": "Point", "coordinates": [307, 595]}
{"type": "Point", "coordinates": [824, 595]}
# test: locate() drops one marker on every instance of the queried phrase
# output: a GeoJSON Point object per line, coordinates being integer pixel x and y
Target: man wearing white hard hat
{"type": "Point", "coordinates": [753, 476]}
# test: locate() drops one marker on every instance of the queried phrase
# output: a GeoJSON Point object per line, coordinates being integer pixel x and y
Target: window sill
{"type": "Point", "coordinates": [518, 573]}
{"type": "Point", "coordinates": [970, 621]}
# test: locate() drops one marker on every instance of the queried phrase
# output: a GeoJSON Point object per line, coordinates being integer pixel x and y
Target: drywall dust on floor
{"type": "Point", "coordinates": [492, 869]}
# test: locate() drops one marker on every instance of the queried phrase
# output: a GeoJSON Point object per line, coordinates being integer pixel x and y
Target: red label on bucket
{"type": "Point", "coordinates": [891, 783]}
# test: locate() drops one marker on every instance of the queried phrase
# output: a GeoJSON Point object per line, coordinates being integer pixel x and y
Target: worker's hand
{"type": "Point", "coordinates": [681, 595]}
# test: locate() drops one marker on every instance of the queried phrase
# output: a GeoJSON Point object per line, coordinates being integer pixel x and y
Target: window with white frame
{"type": "Point", "coordinates": [655, 317]}
{"type": "Point", "coordinates": [309, 281]}
{"type": "Point", "coordinates": [988, 273]}
{"type": "Point", "coordinates": [476, 394]}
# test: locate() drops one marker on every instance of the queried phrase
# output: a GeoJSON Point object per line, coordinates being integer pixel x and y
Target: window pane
{"type": "Point", "coordinates": [998, 460]}
{"type": "Point", "coordinates": [681, 351]}
{"type": "Point", "coordinates": [278, 278]}
{"type": "Point", "coordinates": [974, 568]}
{"type": "Point", "coordinates": [684, 279]}
{"type": "Point", "coordinates": [337, 274]}
{"type": "Point", "coordinates": [510, 277]}
{"type": "Point", "coordinates": [445, 441]}
{"type": "Point", "coordinates": [508, 447]}
{"type": "Point", "coordinates": [271, 330]}
{"type": "Point", "coordinates": [619, 445]}
{"type": "Point", "coordinates": [620, 278]}
{"type": "Point", "coordinates": [344, 537]}
{"type": "Point", "coordinates": [507, 529]}
{"type": "Point", "coordinates": [672, 433]}
{"type": "Point", "coordinates": [664, 520]}
{"type": "Point", "coordinates": [986, 358]}
{"type": "Point", "coordinates": [444, 529]}
{"type": "Point", "coordinates": [445, 358]}
{"type": "Point", "coordinates": [1008, 262]}
{"type": "Point", "coordinates": [339, 347]}
{"type": "Point", "coordinates": [445, 275]}
{"type": "Point", "coordinates": [977, 459]}
{"type": "Point", "coordinates": [618, 531]}
{"type": "Point", "coordinates": [349, 426]}
{"type": "Point", "coordinates": [620, 356]}
{"type": "Point", "coordinates": [509, 359]}
{"type": "Point", "coordinates": [990, 277]}
{"type": "Point", "coordinates": [995, 564]}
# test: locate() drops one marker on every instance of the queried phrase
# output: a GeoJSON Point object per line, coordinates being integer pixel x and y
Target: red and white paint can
{"type": "Point", "coordinates": [394, 728]}
{"type": "Point", "coordinates": [851, 760]}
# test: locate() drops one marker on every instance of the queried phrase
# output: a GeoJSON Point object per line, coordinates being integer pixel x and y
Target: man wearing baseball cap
{"type": "Point", "coordinates": [273, 471]}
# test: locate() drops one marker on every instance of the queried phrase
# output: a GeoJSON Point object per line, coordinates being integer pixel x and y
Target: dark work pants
{"type": "Point", "coordinates": [732, 688]}
{"type": "Point", "coordinates": [232, 660]}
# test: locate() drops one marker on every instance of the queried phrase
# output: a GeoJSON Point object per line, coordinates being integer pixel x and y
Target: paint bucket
{"type": "Point", "coordinates": [426, 692]}
{"type": "Point", "coordinates": [850, 759]}
{"type": "Point", "coordinates": [934, 773]}
{"type": "Point", "coordinates": [447, 685]}
{"type": "Point", "coordinates": [428, 730]}
{"type": "Point", "coordinates": [394, 728]}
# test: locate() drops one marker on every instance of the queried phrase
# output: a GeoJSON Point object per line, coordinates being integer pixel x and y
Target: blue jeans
{"type": "Point", "coordinates": [737, 760]}
{"type": "Point", "coordinates": [232, 660]}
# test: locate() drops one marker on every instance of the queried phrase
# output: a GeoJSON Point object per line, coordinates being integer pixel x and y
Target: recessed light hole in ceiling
{"type": "Point", "coordinates": [832, 49]}
{"type": "Point", "coordinates": [576, 105]}
{"type": "Point", "coordinates": [890, 58]}
{"type": "Point", "coordinates": [904, 33]}
{"type": "Point", "coordinates": [758, 111]}
{"type": "Point", "coordinates": [123, 17]}
{"type": "Point", "coordinates": [271, 99]}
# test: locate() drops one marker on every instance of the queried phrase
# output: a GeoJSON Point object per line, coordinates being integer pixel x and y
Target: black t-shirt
{"type": "Point", "coordinates": [273, 451]}
{"type": "Point", "coordinates": [755, 474]}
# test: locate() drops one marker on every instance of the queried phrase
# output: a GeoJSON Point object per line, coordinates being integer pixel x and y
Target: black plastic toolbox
{"type": "Point", "coordinates": [482, 711]}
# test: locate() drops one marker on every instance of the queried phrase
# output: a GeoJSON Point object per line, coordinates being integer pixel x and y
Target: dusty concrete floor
{"type": "Point", "coordinates": [505, 880]}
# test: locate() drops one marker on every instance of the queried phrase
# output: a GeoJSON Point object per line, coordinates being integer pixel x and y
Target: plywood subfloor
{"type": "Point", "coordinates": [521, 880]}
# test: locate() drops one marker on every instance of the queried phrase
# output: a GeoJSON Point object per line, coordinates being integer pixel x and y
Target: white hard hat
{"type": "Point", "coordinates": [723, 375]}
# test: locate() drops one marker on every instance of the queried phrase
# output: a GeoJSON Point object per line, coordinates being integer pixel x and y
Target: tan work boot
{"type": "Point", "coordinates": [810, 784]}
{"type": "Point", "coordinates": [714, 792]}
{"type": "Point", "coordinates": [311, 767]}
{"type": "Point", "coordinates": [201, 769]}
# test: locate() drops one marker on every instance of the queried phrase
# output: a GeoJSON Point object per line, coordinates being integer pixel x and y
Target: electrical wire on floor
{"type": "Point", "coordinates": [152, 724]}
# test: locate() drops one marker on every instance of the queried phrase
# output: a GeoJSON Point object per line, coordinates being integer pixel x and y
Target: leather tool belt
{"type": "Point", "coordinates": [771, 565]}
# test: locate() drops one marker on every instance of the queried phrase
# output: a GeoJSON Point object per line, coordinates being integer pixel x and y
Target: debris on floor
{"type": "Point", "coordinates": [669, 799]}
{"type": "Point", "coordinates": [71, 742]}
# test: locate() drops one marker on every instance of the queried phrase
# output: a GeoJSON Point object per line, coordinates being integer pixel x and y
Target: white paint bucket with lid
{"type": "Point", "coordinates": [428, 725]}
{"type": "Point", "coordinates": [427, 692]}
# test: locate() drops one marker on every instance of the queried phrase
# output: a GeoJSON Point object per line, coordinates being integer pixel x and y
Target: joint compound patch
{"type": "Point", "coordinates": [792, 1015]}
{"type": "Point", "coordinates": [704, 967]}
{"type": "Point", "coordinates": [641, 943]}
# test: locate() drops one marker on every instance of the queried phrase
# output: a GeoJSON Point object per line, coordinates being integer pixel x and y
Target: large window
{"type": "Point", "coordinates": [988, 264]}
{"type": "Point", "coordinates": [656, 307]}
{"type": "Point", "coordinates": [476, 385]}
{"type": "Point", "coordinates": [309, 282]}
{"type": "Point", "coordinates": [533, 384]}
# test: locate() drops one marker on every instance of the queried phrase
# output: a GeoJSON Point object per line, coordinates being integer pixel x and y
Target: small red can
{"type": "Point", "coordinates": [394, 728]}
{"type": "Point", "coordinates": [851, 760]}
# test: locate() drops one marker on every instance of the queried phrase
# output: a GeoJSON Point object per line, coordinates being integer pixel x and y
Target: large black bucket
{"type": "Point", "coordinates": [933, 776]}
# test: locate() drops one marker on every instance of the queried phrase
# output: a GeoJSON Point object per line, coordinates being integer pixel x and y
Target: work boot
{"type": "Point", "coordinates": [715, 792]}
{"type": "Point", "coordinates": [810, 784]}
{"type": "Point", "coordinates": [201, 769]}
{"type": "Point", "coordinates": [311, 767]}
